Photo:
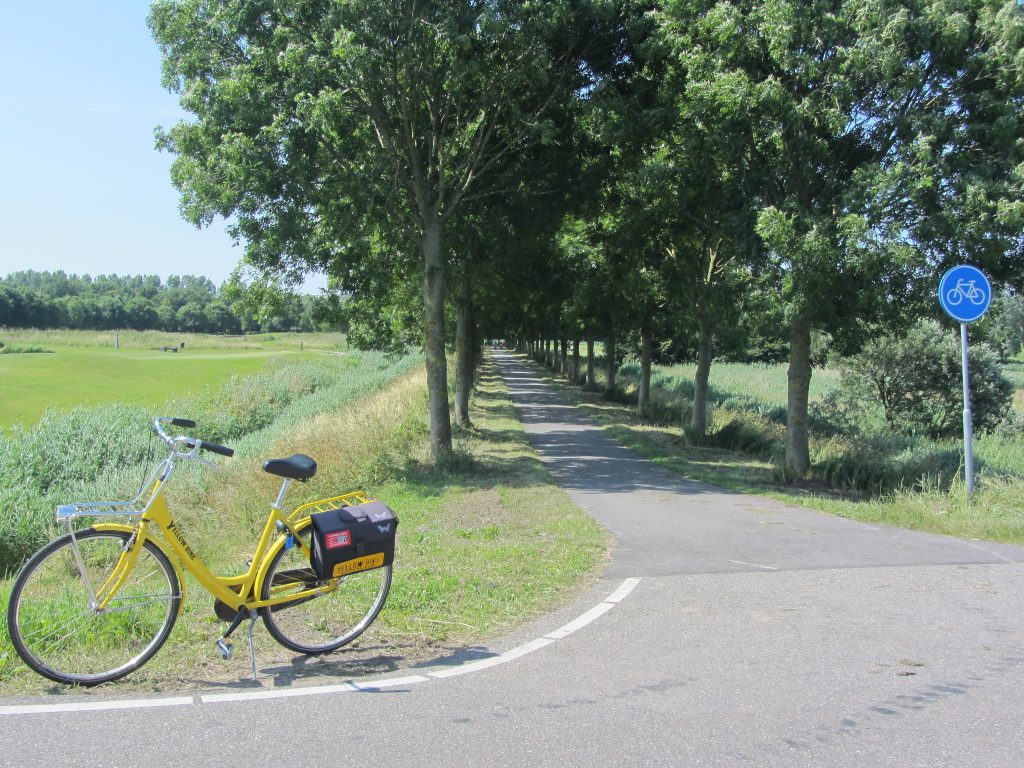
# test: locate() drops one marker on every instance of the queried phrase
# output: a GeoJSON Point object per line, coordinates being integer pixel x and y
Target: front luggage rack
{"type": "Point", "coordinates": [98, 509]}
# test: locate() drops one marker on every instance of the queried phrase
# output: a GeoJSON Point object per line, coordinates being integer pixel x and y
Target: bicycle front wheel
{"type": "Point", "coordinates": [326, 622]}
{"type": "Point", "coordinates": [59, 633]}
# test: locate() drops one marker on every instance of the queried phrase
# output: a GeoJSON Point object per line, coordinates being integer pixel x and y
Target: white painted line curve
{"type": "Point", "coordinates": [347, 687]}
{"type": "Point", "coordinates": [95, 706]}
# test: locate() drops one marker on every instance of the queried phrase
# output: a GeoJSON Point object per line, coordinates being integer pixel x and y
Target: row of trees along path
{"type": "Point", "coordinates": [698, 175]}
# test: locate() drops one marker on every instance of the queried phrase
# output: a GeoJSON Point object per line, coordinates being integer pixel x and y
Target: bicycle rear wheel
{"type": "Point", "coordinates": [328, 621]}
{"type": "Point", "coordinates": [61, 636]}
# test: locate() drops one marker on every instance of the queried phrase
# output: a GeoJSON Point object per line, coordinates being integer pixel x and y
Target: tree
{"type": "Point", "coordinates": [320, 123]}
{"type": "Point", "coordinates": [220, 319]}
{"type": "Point", "coordinates": [866, 149]}
{"type": "Point", "coordinates": [140, 315]}
{"type": "Point", "coordinates": [1007, 323]}
{"type": "Point", "coordinates": [190, 318]}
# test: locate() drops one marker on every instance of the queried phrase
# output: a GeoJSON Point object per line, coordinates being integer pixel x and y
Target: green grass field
{"type": "Point", "coordinates": [84, 368]}
{"type": "Point", "coordinates": [759, 381]}
{"type": "Point", "coordinates": [73, 376]}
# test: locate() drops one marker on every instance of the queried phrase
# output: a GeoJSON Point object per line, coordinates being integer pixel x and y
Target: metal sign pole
{"type": "Point", "coordinates": [968, 424]}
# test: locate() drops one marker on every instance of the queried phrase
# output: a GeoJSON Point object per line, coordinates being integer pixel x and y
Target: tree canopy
{"type": "Point", "coordinates": [676, 177]}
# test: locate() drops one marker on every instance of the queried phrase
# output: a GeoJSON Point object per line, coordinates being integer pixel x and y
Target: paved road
{"type": "Point", "coordinates": [758, 634]}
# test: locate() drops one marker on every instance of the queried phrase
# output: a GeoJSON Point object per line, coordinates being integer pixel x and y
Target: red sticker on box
{"type": "Point", "coordinates": [338, 539]}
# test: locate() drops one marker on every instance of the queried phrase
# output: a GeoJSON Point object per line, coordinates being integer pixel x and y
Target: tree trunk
{"type": "Point", "coordinates": [699, 415]}
{"type": "Point", "coordinates": [590, 363]}
{"type": "Point", "coordinates": [433, 341]}
{"type": "Point", "coordinates": [609, 365]}
{"type": "Point", "coordinates": [574, 373]}
{"type": "Point", "coordinates": [465, 351]}
{"type": "Point", "coordinates": [643, 405]}
{"type": "Point", "coordinates": [797, 451]}
{"type": "Point", "coordinates": [565, 357]}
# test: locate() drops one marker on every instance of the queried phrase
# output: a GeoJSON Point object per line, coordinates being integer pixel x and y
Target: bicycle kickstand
{"type": "Point", "coordinates": [224, 643]}
{"type": "Point", "coordinates": [252, 651]}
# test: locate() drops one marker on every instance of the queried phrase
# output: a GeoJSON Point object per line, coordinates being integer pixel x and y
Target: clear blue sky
{"type": "Point", "coordinates": [81, 186]}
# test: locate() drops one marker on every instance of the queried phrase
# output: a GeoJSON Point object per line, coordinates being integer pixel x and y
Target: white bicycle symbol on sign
{"type": "Point", "coordinates": [965, 289]}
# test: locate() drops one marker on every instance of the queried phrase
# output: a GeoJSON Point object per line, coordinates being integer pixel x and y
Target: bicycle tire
{"type": "Point", "coordinates": [326, 622]}
{"type": "Point", "coordinates": [55, 631]}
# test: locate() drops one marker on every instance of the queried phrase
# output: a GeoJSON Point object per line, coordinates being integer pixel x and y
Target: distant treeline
{"type": "Point", "coordinates": [183, 303]}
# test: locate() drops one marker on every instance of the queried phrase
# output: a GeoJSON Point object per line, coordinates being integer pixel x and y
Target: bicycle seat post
{"type": "Point", "coordinates": [280, 494]}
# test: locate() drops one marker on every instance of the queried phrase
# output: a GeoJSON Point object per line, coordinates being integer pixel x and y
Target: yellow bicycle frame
{"type": "Point", "coordinates": [235, 591]}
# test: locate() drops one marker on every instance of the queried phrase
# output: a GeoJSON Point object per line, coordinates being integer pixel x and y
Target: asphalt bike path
{"type": "Point", "coordinates": [727, 630]}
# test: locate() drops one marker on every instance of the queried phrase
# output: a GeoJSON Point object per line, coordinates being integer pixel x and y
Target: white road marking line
{"type": "Point", "coordinates": [623, 591]}
{"type": "Point", "coordinates": [755, 565]}
{"type": "Point", "coordinates": [94, 706]}
{"type": "Point", "coordinates": [389, 682]}
{"type": "Point", "coordinates": [493, 661]}
{"type": "Point", "coordinates": [472, 666]}
{"type": "Point", "coordinates": [347, 687]}
{"type": "Point", "coordinates": [596, 612]}
{"type": "Point", "coordinates": [277, 693]}
{"type": "Point", "coordinates": [983, 549]}
{"type": "Point", "coordinates": [313, 690]}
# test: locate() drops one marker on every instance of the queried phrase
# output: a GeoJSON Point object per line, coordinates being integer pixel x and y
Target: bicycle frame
{"type": "Point", "coordinates": [238, 591]}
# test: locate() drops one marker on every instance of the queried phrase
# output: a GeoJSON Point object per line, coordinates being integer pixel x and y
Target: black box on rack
{"type": "Point", "coordinates": [352, 539]}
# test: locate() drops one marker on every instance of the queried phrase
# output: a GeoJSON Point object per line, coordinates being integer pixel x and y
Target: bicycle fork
{"type": "Point", "coordinates": [99, 600]}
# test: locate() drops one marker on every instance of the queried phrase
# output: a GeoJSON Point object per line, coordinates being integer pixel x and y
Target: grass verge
{"type": "Point", "coordinates": [994, 513]}
{"type": "Point", "coordinates": [485, 543]}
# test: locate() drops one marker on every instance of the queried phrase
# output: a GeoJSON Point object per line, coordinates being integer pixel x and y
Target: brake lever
{"type": "Point", "coordinates": [193, 455]}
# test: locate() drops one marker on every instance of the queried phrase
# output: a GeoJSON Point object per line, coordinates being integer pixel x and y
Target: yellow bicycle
{"type": "Point", "coordinates": [98, 602]}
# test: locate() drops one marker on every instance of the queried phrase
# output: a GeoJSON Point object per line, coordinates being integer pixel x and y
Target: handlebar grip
{"type": "Point", "coordinates": [187, 423]}
{"type": "Point", "coordinates": [223, 450]}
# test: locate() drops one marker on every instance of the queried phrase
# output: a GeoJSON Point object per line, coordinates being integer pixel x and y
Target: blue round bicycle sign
{"type": "Point", "coordinates": [965, 293]}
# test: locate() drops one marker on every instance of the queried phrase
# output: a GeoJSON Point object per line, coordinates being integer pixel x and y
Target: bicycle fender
{"type": "Point", "coordinates": [173, 560]}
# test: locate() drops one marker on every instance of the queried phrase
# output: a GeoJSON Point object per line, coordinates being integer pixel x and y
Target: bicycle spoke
{"type": "Point", "coordinates": [74, 620]}
{"type": "Point", "coordinates": [153, 599]}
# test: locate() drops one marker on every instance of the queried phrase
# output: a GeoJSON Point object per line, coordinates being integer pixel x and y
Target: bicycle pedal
{"type": "Point", "coordinates": [225, 648]}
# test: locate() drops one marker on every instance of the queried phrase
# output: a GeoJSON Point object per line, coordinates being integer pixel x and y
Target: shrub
{"type": "Point", "coordinates": [22, 350]}
{"type": "Point", "coordinates": [917, 381]}
{"type": "Point", "coordinates": [744, 430]}
{"type": "Point", "coordinates": [884, 463]}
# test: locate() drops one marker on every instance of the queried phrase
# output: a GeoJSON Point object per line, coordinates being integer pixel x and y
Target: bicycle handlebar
{"type": "Point", "coordinates": [195, 444]}
{"type": "Point", "coordinates": [223, 450]}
